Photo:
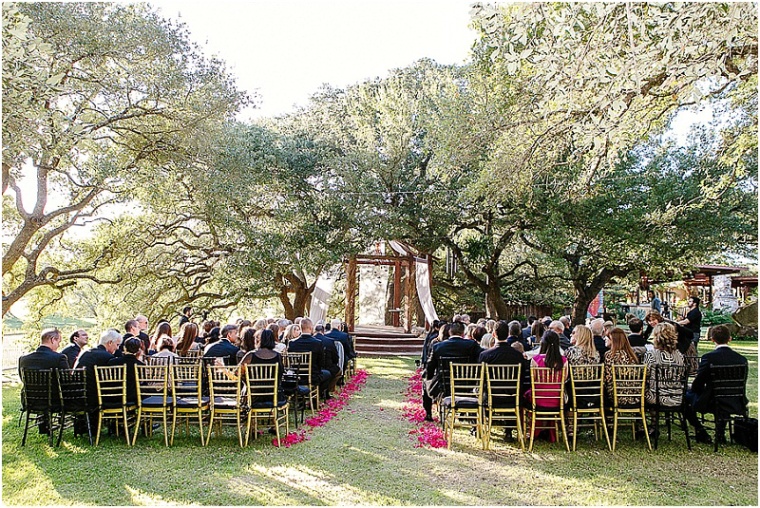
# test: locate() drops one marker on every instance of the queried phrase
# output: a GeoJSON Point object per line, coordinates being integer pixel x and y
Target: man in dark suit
{"type": "Point", "coordinates": [43, 358]}
{"type": "Point", "coordinates": [46, 356]}
{"type": "Point", "coordinates": [515, 335]}
{"type": "Point", "coordinates": [330, 359]}
{"type": "Point", "coordinates": [526, 330]}
{"type": "Point", "coordinates": [99, 356]}
{"type": "Point", "coordinates": [597, 331]}
{"type": "Point", "coordinates": [307, 343]}
{"type": "Point", "coordinates": [635, 338]}
{"type": "Point", "coordinates": [455, 345]}
{"type": "Point", "coordinates": [503, 353]}
{"type": "Point", "coordinates": [78, 340]}
{"type": "Point", "coordinates": [223, 348]}
{"type": "Point", "coordinates": [336, 333]}
{"type": "Point", "coordinates": [700, 397]}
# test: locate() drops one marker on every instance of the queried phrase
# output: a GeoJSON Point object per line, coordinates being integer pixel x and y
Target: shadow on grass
{"type": "Point", "coordinates": [365, 456]}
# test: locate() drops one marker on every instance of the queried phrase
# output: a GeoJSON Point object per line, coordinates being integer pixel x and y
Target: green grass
{"type": "Point", "coordinates": [365, 456]}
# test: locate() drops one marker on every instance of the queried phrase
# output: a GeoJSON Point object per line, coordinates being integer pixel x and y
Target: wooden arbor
{"type": "Point", "coordinates": [399, 262]}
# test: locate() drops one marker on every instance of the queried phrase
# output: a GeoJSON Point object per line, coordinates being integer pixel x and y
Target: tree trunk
{"type": "Point", "coordinates": [497, 307]}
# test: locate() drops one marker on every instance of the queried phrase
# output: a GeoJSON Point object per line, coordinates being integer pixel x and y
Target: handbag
{"type": "Point", "coordinates": [745, 432]}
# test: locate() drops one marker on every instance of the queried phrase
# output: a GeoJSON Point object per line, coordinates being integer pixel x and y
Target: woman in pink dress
{"type": "Point", "coordinates": [549, 356]}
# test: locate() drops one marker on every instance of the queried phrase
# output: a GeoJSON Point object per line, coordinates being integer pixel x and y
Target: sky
{"type": "Point", "coordinates": [284, 50]}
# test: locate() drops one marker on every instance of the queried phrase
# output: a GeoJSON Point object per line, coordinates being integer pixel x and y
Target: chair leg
{"type": "Point", "coordinates": [26, 429]}
{"type": "Point", "coordinates": [174, 424]}
{"type": "Point", "coordinates": [100, 424]}
{"type": "Point", "coordinates": [89, 427]}
{"type": "Point", "coordinates": [126, 426]}
{"type": "Point", "coordinates": [606, 432]}
{"type": "Point", "coordinates": [520, 434]}
{"type": "Point", "coordinates": [532, 431]}
{"type": "Point", "coordinates": [646, 431]}
{"type": "Point", "coordinates": [61, 421]}
{"type": "Point", "coordinates": [137, 426]}
{"type": "Point", "coordinates": [575, 428]}
{"type": "Point", "coordinates": [614, 430]}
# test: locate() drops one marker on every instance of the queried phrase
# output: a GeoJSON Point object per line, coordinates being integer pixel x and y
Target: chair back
{"type": "Point", "coordinates": [111, 382]}
{"type": "Point", "coordinates": [628, 385]}
{"type": "Point", "coordinates": [547, 388]}
{"type": "Point", "coordinates": [194, 353]}
{"type": "Point", "coordinates": [586, 386]}
{"type": "Point", "coordinates": [503, 385]}
{"type": "Point", "coordinates": [466, 381]}
{"type": "Point", "coordinates": [444, 371]}
{"type": "Point", "coordinates": [188, 360]}
{"type": "Point", "coordinates": [37, 392]}
{"type": "Point", "coordinates": [225, 383]}
{"type": "Point", "coordinates": [152, 382]}
{"type": "Point", "coordinates": [670, 384]}
{"type": "Point", "coordinates": [300, 362]}
{"type": "Point", "coordinates": [186, 380]}
{"type": "Point", "coordinates": [72, 386]}
{"type": "Point", "coordinates": [262, 382]}
{"type": "Point", "coordinates": [159, 360]}
{"type": "Point", "coordinates": [729, 383]}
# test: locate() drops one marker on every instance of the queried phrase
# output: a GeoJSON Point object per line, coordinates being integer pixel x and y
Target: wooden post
{"type": "Point", "coordinates": [411, 288]}
{"type": "Point", "coordinates": [396, 294]}
{"type": "Point", "coordinates": [351, 293]}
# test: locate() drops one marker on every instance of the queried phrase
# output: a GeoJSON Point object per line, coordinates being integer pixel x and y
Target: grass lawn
{"type": "Point", "coordinates": [366, 456]}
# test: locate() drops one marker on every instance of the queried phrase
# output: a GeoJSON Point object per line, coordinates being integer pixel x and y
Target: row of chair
{"type": "Point", "coordinates": [489, 396]}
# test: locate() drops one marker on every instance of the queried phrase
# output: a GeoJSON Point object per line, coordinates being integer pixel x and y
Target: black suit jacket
{"type": "Point", "coordinates": [330, 358]}
{"type": "Point", "coordinates": [511, 340]}
{"type": "Point", "coordinates": [43, 358]}
{"type": "Point", "coordinates": [600, 345]}
{"type": "Point", "coordinates": [97, 356]}
{"type": "Point", "coordinates": [453, 346]}
{"type": "Point", "coordinates": [701, 385]}
{"type": "Point", "coordinates": [225, 349]}
{"type": "Point", "coordinates": [502, 354]}
{"type": "Point", "coordinates": [72, 351]}
{"type": "Point", "coordinates": [345, 339]}
{"type": "Point", "coordinates": [306, 343]}
{"type": "Point", "coordinates": [637, 340]}
{"type": "Point", "coordinates": [130, 361]}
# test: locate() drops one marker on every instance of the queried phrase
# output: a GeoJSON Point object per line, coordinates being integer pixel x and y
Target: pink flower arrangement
{"type": "Point", "coordinates": [329, 410]}
{"type": "Point", "coordinates": [426, 433]}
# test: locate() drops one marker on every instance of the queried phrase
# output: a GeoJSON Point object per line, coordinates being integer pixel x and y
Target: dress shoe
{"type": "Point", "coordinates": [428, 418]}
{"type": "Point", "coordinates": [703, 437]}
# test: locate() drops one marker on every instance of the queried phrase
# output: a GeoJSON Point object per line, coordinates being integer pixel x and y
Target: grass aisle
{"type": "Point", "coordinates": [366, 456]}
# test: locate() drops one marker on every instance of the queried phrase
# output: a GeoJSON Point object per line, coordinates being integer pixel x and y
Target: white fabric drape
{"type": "Point", "coordinates": [320, 298]}
{"type": "Point", "coordinates": [423, 291]}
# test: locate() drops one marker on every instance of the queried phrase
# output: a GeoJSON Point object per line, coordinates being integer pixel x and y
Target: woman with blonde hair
{"type": "Point", "coordinates": [665, 352]}
{"type": "Point", "coordinates": [583, 351]}
{"type": "Point", "coordinates": [291, 332]}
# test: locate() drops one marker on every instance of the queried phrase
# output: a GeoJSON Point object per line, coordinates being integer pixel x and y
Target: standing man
{"type": "Point", "coordinates": [187, 313]}
{"type": "Point", "coordinates": [693, 319]}
{"type": "Point", "coordinates": [654, 302]}
{"type": "Point", "coordinates": [78, 341]}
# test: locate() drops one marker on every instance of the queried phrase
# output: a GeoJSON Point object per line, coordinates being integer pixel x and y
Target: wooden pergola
{"type": "Point", "coordinates": [703, 277]}
{"type": "Point", "coordinates": [399, 263]}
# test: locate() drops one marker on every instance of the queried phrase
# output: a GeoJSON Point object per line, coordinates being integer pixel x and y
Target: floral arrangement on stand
{"type": "Point", "coordinates": [329, 411]}
{"type": "Point", "coordinates": [426, 433]}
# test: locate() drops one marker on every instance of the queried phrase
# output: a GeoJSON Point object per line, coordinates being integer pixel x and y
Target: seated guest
{"type": "Point", "coordinates": [248, 343]}
{"type": "Point", "coordinates": [488, 339]}
{"type": "Point", "coordinates": [583, 351]}
{"type": "Point", "coordinates": [664, 340]}
{"type": "Point", "coordinates": [99, 356]}
{"type": "Point", "coordinates": [550, 357]}
{"type": "Point", "coordinates": [700, 397]}
{"type": "Point", "coordinates": [43, 358]}
{"type": "Point", "coordinates": [453, 346]}
{"type": "Point", "coordinates": [597, 331]}
{"type": "Point", "coordinates": [502, 353]}
{"type": "Point", "coordinates": [635, 339]}
{"type": "Point", "coordinates": [568, 328]}
{"type": "Point", "coordinates": [528, 330]}
{"type": "Point", "coordinates": [330, 360]}
{"type": "Point", "coordinates": [292, 332]}
{"type": "Point", "coordinates": [478, 333]}
{"type": "Point", "coordinates": [78, 340]}
{"type": "Point", "coordinates": [559, 328]}
{"type": "Point", "coordinates": [222, 348]}
{"type": "Point", "coordinates": [684, 334]}
{"type": "Point", "coordinates": [163, 330]}
{"type": "Point", "coordinates": [165, 347]}
{"type": "Point", "coordinates": [262, 351]}
{"type": "Point", "coordinates": [619, 353]}
{"type": "Point", "coordinates": [132, 347]}
{"type": "Point", "coordinates": [536, 332]}
{"type": "Point", "coordinates": [338, 331]}
{"type": "Point", "coordinates": [430, 339]}
{"type": "Point", "coordinates": [280, 347]}
{"type": "Point", "coordinates": [515, 335]}
{"type": "Point", "coordinates": [188, 334]}
{"type": "Point", "coordinates": [307, 343]}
